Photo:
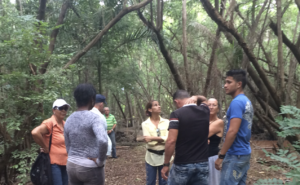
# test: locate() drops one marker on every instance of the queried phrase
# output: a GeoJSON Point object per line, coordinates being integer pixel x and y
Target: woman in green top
{"type": "Point", "coordinates": [155, 131]}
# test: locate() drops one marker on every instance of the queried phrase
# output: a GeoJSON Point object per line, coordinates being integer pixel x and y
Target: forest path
{"type": "Point", "coordinates": [129, 168]}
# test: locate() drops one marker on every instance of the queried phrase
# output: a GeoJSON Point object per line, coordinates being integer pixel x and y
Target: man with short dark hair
{"type": "Point", "coordinates": [188, 135]}
{"type": "Point", "coordinates": [111, 125]}
{"type": "Point", "coordinates": [234, 157]}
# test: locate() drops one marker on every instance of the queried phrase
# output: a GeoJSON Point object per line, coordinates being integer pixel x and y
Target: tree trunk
{"type": "Point", "coordinates": [292, 69]}
{"type": "Point", "coordinates": [99, 76]}
{"type": "Point", "coordinates": [280, 67]}
{"type": "Point", "coordinates": [42, 10]}
{"type": "Point", "coordinates": [120, 107]}
{"type": "Point", "coordinates": [129, 108]}
{"type": "Point", "coordinates": [165, 53]}
{"type": "Point", "coordinates": [184, 45]}
{"type": "Point", "coordinates": [214, 49]}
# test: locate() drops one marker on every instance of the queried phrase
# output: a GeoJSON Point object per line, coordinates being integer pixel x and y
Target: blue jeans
{"type": "Point", "coordinates": [112, 137]}
{"type": "Point", "coordinates": [151, 172]}
{"type": "Point", "coordinates": [59, 174]}
{"type": "Point", "coordinates": [189, 174]}
{"type": "Point", "coordinates": [234, 169]}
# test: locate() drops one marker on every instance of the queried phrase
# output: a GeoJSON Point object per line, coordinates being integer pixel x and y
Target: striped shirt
{"type": "Point", "coordinates": [110, 121]}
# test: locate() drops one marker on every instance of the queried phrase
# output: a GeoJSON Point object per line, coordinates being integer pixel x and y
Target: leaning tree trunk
{"type": "Point", "coordinates": [184, 45]}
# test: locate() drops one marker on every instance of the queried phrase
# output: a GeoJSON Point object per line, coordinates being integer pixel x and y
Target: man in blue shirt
{"type": "Point", "coordinates": [234, 157]}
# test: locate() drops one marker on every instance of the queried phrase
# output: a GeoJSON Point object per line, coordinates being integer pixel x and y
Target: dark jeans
{"type": "Point", "coordinates": [151, 172]}
{"type": "Point", "coordinates": [234, 169]}
{"type": "Point", "coordinates": [189, 174]}
{"type": "Point", "coordinates": [59, 174]}
{"type": "Point", "coordinates": [80, 175]}
{"type": "Point", "coordinates": [112, 137]}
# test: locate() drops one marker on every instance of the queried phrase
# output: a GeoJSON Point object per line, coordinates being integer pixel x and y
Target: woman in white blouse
{"type": "Point", "coordinates": [155, 131]}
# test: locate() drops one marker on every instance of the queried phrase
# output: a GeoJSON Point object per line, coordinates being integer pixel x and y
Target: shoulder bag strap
{"type": "Point", "coordinates": [50, 139]}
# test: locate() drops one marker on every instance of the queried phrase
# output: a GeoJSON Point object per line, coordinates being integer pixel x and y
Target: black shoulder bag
{"type": "Point", "coordinates": [41, 173]}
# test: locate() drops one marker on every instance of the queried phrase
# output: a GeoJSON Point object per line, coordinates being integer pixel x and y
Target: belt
{"type": "Point", "coordinates": [158, 152]}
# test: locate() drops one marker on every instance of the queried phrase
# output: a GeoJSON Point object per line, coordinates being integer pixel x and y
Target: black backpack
{"type": "Point", "coordinates": [41, 173]}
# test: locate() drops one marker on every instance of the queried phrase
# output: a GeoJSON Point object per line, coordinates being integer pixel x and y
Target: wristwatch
{"type": "Point", "coordinates": [221, 156]}
{"type": "Point", "coordinates": [166, 164]}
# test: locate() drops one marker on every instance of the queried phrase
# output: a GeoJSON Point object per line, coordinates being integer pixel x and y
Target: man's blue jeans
{"type": "Point", "coordinates": [189, 174]}
{"type": "Point", "coordinates": [234, 169]}
{"type": "Point", "coordinates": [112, 137]}
{"type": "Point", "coordinates": [59, 174]}
{"type": "Point", "coordinates": [151, 172]}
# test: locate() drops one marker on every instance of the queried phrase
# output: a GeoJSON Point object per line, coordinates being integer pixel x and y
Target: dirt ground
{"type": "Point", "coordinates": [129, 168]}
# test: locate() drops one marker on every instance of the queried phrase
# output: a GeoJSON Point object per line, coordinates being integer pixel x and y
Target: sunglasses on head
{"type": "Point", "coordinates": [66, 108]}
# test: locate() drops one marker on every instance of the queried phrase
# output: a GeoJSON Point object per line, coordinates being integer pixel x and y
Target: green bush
{"type": "Point", "coordinates": [290, 126]}
{"type": "Point", "coordinates": [26, 158]}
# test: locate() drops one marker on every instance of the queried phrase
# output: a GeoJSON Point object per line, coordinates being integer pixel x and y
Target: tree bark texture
{"type": "Point", "coordinates": [122, 13]}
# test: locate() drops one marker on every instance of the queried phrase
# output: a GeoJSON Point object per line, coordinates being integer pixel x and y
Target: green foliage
{"type": "Point", "coordinates": [26, 158]}
{"type": "Point", "coordinates": [289, 124]}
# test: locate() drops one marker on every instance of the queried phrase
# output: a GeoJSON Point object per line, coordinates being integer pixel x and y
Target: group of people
{"type": "Point", "coordinates": [79, 146]}
{"type": "Point", "coordinates": [194, 132]}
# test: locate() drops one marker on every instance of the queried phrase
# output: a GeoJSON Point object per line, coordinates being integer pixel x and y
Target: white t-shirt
{"type": "Point", "coordinates": [103, 120]}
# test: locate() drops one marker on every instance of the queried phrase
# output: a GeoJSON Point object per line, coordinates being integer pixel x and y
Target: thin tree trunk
{"type": "Point", "coordinates": [184, 45]}
{"type": "Point", "coordinates": [21, 7]}
{"type": "Point", "coordinates": [120, 107]}
{"type": "Point", "coordinates": [55, 32]}
{"type": "Point", "coordinates": [165, 53]}
{"type": "Point", "coordinates": [292, 68]}
{"type": "Point", "coordinates": [280, 67]}
{"type": "Point", "coordinates": [158, 5]}
{"type": "Point", "coordinates": [129, 108]}
{"type": "Point", "coordinates": [99, 76]}
{"type": "Point", "coordinates": [214, 50]}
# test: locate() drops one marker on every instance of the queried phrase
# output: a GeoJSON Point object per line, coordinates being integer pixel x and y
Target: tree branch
{"type": "Point", "coordinates": [230, 28]}
{"type": "Point", "coordinates": [55, 32]}
{"type": "Point", "coordinates": [165, 53]}
{"type": "Point", "coordinates": [294, 49]}
{"type": "Point", "coordinates": [122, 13]}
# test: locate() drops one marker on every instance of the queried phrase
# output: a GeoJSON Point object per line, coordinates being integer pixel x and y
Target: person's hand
{"type": "Point", "coordinates": [44, 150]}
{"type": "Point", "coordinates": [208, 141]}
{"type": "Point", "coordinates": [93, 159]}
{"type": "Point", "coordinates": [109, 131]}
{"type": "Point", "coordinates": [218, 164]}
{"type": "Point", "coordinates": [165, 172]}
{"type": "Point", "coordinates": [147, 138]}
{"type": "Point", "coordinates": [191, 100]}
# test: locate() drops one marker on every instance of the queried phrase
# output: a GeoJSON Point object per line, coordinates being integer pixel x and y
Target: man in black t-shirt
{"type": "Point", "coordinates": [188, 135]}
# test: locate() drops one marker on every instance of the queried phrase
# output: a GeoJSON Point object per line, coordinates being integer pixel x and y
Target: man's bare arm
{"type": "Point", "coordinates": [170, 144]}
